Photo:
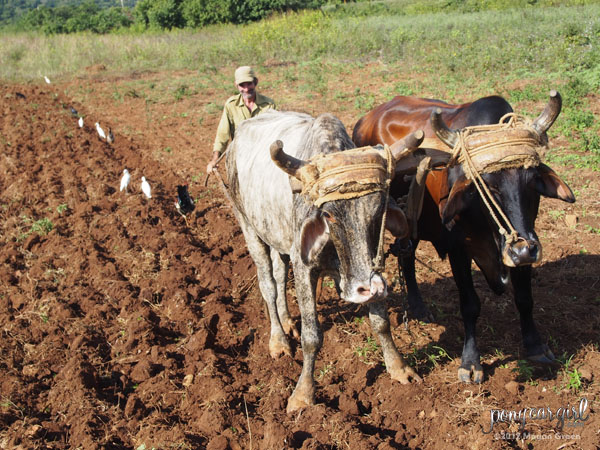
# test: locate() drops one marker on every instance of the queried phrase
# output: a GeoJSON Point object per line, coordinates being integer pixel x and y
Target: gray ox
{"type": "Point", "coordinates": [338, 238]}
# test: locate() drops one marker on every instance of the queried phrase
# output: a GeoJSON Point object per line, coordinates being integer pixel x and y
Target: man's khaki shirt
{"type": "Point", "coordinates": [234, 113]}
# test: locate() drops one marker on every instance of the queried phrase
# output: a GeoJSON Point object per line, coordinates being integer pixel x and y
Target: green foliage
{"type": "Point", "coordinates": [573, 382]}
{"type": "Point", "coordinates": [199, 13]}
{"type": "Point", "coordinates": [524, 370]}
{"type": "Point", "coordinates": [243, 11]}
{"type": "Point", "coordinates": [367, 352]}
{"type": "Point", "coordinates": [411, 7]}
{"type": "Point", "coordinates": [182, 91]}
{"type": "Point", "coordinates": [11, 10]}
{"type": "Point", "coordinates": [324, 371]}
{"type": "Point", "coordinates": [168, 14]}
{"type": "Point", "coordinates": [429, 356]}
{"type": "Point", "coordinates": [571, 375]}
{"type": "Point", "coordinates": [159, 14]}
{"type": "Point", "coordinates": [364, 102]}
{"type": "Point", "coordinates": [65, 19]}
{"type": "Point", "coordinates": [42, 226]}
{"type": "Point", "coordinates": [70, 16]}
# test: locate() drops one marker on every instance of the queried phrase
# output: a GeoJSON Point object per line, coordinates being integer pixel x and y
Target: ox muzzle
{"type": "Point", "coordinates": [521, 252]}
{"type": "Point", "coordinates": [366, 291]}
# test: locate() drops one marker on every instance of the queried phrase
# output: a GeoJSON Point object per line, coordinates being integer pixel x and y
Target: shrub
{"type": "Point", "coordinates": [165, 14]}
{"type": "Point", "coordinates": [85, 17]}
{"type": "Point", "coordinates": [198, 13]}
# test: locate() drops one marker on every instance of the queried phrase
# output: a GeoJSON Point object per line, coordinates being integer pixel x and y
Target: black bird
{"type": "Point", "coordinates": [184, 203]}
{"type": "Point", "coordinates": [74, 112]}
{"type": "Point", "coordinates": [19, 95]}
{"type": "Point", "coordinates": [110, 138]}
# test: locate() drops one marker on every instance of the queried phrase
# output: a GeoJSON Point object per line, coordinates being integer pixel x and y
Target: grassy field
{"type": "Point", "coordinates": [514, 43]}
{"type": "Point", "coordinates": [520, 53]}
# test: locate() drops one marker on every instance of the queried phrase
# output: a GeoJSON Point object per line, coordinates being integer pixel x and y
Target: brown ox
{"type": "Point", "coordinates": [455, 219]}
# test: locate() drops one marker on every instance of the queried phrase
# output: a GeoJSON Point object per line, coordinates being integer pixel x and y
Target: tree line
{"type": "Point", "coordinates": [70, 16]}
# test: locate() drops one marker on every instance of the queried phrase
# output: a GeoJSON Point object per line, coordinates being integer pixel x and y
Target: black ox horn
{"type": "Point", "coordinates": [545, 120]}
{"type": "Point", "coordinates": [445, 134]}
{"type": "Point", "coordinates": [285, 162]}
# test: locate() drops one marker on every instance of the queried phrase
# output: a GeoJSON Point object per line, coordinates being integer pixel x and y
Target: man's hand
{"type": "Point", "coordinates": [213, 163]}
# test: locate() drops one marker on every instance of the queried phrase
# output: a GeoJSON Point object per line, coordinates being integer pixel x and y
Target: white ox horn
{"type": "Point", "coordinates": [285, 162]}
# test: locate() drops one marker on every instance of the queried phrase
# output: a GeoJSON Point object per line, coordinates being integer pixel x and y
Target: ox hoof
{"type": "Point", "coordinates": [290, 328]}
{"type": "Point", "coordinates": [419, 311]}
{"type": "Point", "coordinates": [422, 314]}
{"type": "Point", "coordinates": [472, 374]}
{"type": "Point", "coordinates": [404, 375]}
{"type": "Point", "coordinates": [279, 346]}
{"type": "Point", "coordinates": [545, 357]}
{"type": "Point", "coordinates": [298, 401]}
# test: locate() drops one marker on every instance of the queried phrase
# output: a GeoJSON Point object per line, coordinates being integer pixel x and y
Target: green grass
{"type": "Point", "coordinates": [544, 41]}
{"type": "Point", "coordinates": [367, 351]}
{"type": "Point", "coordinates": [42, 226]}
{"type": "Point", "coordinates": [429, 357]}
{"type": "Point", "coordinates": [571, 376]}
{"type": "Point", "coordinates": [524, 370]}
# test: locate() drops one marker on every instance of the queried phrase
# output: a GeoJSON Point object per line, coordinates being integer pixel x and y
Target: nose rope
{"type": "Point", "coordinates": [510, 235]}
{"type": "Point", "coordinates": [379, 260]}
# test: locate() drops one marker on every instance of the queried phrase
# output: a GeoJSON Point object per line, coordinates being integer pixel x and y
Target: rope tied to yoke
{"type": "Point", "coordinates": [379, 261]}
{"type": "Point", "coordinates": [350, 174]}
{"type": "Point", "coordinates": [511, 143]}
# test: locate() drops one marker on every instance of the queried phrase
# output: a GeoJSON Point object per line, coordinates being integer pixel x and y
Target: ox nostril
{"type": "Point", "coordinates": [374, 289]}
{"type": "Point", "coordinates": [525, 252]}
{"type": "Point", "coordinates": [364, 291]}
{"type": "Point", "coordinates": [535, 250]}
{"type": "Point", "coordinates": [378, 286]}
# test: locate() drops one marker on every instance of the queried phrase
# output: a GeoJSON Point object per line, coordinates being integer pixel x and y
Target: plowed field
{"type": "Point", "coordinates": [124, 327]}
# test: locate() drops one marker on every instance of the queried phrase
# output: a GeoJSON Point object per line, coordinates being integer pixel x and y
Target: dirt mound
{"type": "Point", "coordinates": [123, 326]}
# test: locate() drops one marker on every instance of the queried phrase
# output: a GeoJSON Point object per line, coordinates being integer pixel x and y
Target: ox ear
{"type": "Point", "coordinates": [313, 236]}
{"type": "Point", "coordinates": [549, 184]}
{"type": "Point", "coordinates": [457, 200]}
{"type": "Point", "coordinates": [396, 222]}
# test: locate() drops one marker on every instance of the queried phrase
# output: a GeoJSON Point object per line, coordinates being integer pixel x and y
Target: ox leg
{"type": "Point", "coordinates": [260, 253]}
{"type": "Point", "coordinates": [535, 349]}
{"type": "Point", "coordinates": [281, 264]}
{"type": "Point", "coordinates": [311, 337]}
{"type": "Point", "coordinates": [470, 368]}
{"type": "Point", "coordinates": [406, 264]}
{"type": "Point", "coordinates": [395, 365]}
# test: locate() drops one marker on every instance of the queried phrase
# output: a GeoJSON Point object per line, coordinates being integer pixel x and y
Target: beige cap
{"type": "Point", "coordinates": [244, 74]}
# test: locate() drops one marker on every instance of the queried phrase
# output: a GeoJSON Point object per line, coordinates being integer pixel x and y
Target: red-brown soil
{"type": "Point", "coordinates": [123, 327]}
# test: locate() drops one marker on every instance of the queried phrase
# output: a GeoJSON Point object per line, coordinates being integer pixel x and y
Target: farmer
{"type": "Point", "coordinates": [248, 103]}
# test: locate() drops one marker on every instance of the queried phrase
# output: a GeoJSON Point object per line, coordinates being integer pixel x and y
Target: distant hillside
{"type": "Point", "coordinates": [10, 10]}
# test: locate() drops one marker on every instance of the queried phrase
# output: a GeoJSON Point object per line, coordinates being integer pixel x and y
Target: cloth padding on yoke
{"type": "Point", "coordinates": [343, 175]}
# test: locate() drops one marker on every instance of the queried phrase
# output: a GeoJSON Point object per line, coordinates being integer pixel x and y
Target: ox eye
{"type": "Point", "coordinates": [495, 192]}
{"type": "Point", "coordinates": [328, 217]}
